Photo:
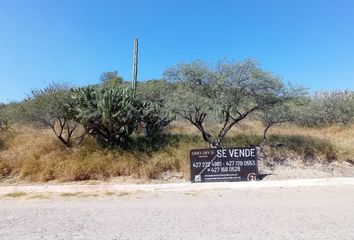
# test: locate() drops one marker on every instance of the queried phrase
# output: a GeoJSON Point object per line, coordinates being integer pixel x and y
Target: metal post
{"type": "Point", "coordinates": [135, 65]}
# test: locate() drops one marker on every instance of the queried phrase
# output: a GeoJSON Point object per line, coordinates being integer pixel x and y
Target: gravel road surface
{"type": "Point", "coordinates": [273, 213]}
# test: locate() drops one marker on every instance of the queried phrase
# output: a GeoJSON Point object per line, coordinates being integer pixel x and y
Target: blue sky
{"type": "Point", "coordinates": [309, 43]}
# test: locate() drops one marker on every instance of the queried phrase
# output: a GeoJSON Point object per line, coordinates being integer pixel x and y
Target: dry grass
{"type": "Point", "coordinates": [192, 193]}
{"type": "Point", "coordinates": [75, 194]}
{"type": "Point", "coordinates": [332, 140]}
{"type": "Point", "coordinates": [50, 195]}
{"type": "Point", "coordinates": [98, 194]}
{"type": "Point", "coordinates": [15, 194]}
{"type": "Point", "coordinates": [36, 155]}
{"type": "Point", "coordinates": [110, 193]}
{"type": "Point", "coordinates": [46, 196]}
{"type": "Point", "coordinates": [340, 137]}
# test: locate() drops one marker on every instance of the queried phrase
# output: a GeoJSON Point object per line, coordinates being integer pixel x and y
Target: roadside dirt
{"type": "Point", "coordinates": [298, 169]}
{"type": "Point", "coordinates": [286, 169]}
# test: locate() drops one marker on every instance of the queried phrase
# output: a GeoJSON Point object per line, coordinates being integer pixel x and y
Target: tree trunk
{"type": "Point", "coordinates": [265, 137]}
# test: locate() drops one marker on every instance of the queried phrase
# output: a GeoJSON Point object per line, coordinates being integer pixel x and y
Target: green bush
{"type": "Point", "coordinates": [11, 113]}
{"type": "Point", "coordinates": [49, 107]}
{"type": "Point", "coordinates": [328, 108]}
{"type": "Point", "coordinates": [111, 79]}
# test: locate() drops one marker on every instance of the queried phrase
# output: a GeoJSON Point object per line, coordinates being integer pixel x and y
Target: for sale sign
{"type": "Point", "coordinates": [223, 165]}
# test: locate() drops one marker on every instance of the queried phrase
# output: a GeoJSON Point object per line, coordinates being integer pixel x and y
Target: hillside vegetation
{"type": "Point", "coordinates": [107, 130]}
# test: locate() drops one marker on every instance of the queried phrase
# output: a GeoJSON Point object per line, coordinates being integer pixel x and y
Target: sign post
{"type": "Point", "coordinates": [224, 165]}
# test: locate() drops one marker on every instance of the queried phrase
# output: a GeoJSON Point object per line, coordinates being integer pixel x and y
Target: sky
{"type": "Point", "coordinates": [306, 43]}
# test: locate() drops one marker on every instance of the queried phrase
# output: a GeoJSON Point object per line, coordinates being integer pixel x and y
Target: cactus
{"type": "Point", "coordinates": [154, 120]}
{"type": "Point", "coordinates": [110, 114]}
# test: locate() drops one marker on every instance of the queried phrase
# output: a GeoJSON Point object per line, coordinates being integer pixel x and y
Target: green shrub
{"type": "Point", "coordinates": [49, 107]}
{"type": "Point", "coordinates": [326, 108]}
{"type": "Point", "coordinates": [12, 113]}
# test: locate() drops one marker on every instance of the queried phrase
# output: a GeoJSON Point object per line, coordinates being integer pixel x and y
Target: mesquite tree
{"type": "Point", "coordinates": [48, 107]}
{"type": "Point", "coordinates": [229, 92]}
{"type": "Point", "coordinates": [287, 110]}
{"type": "Point", "coordinates": [111, 79]}
{"type": "Point", "coordinates": [278, 114]}
{"type": "Point", "coordinates": [326, 108]}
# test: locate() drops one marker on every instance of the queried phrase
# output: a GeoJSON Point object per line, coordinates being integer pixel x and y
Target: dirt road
{"type": "Point", "coordinates": [275, 213]}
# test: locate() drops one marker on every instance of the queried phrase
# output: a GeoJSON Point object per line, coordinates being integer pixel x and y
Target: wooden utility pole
{"type": "Point", "coordinates": [135, 65]}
